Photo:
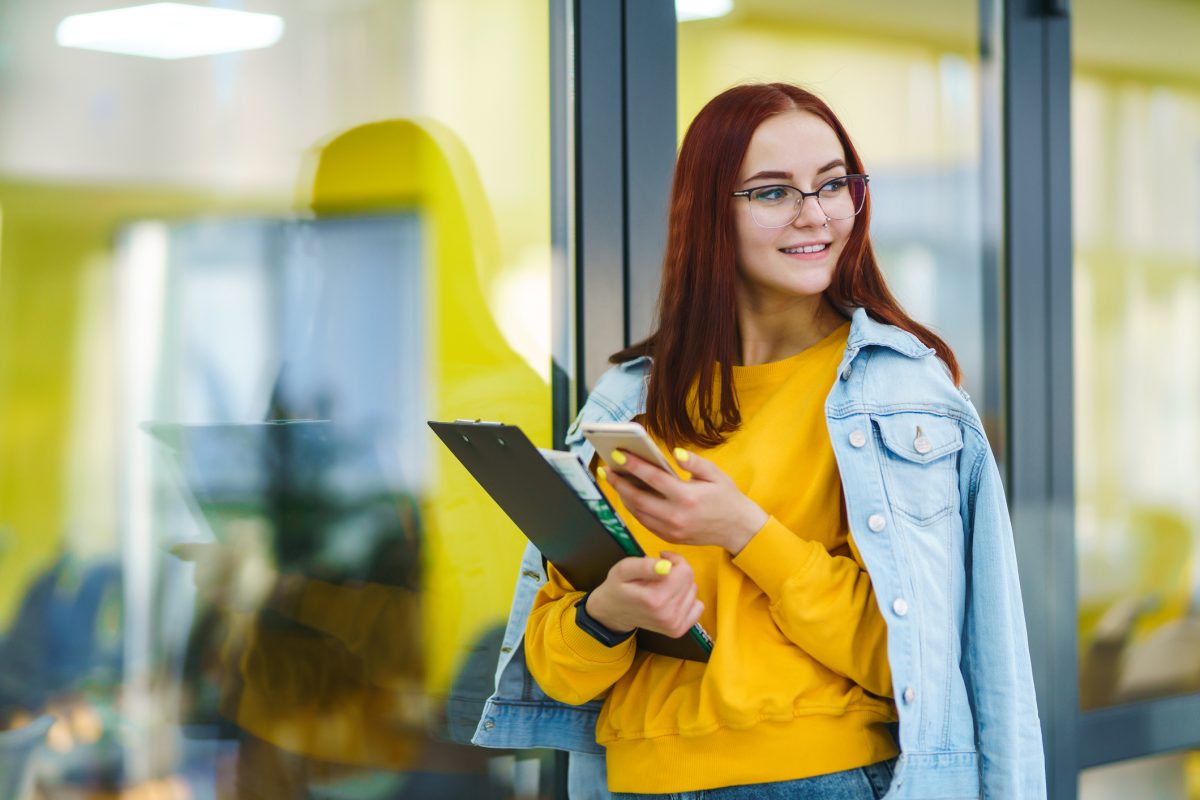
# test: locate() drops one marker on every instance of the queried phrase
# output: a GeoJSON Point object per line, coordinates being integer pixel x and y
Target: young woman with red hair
{"type": "Point", "coordinates": [836, 520]}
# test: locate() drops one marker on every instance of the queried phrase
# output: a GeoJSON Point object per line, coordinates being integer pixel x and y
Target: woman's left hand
{"type": "Point", "coordinates": [709, 509]}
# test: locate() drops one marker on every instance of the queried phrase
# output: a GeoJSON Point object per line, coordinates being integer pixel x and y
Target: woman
{"type": "Point", "coordinates": [841, 530]}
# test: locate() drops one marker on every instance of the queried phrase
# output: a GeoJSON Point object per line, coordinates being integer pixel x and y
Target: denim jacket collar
{"type": "Point", "coordinates": [864, 332]}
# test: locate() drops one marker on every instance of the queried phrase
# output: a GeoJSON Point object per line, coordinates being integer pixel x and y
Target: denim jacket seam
{"type": "Point", "coordinates": [608, 407]}
{"type": "Point", "coordinates": [973, 489]}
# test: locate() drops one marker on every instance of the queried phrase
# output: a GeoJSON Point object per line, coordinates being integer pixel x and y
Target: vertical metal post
{"type": "Point", "coordinates": [563, 372]}
{"type": "Point", "coordinates": [1036, 90]}
{"type": "Point", "coordinates": [624, 136]}
{"type": "Point", "coordinates": [599, 187]}
{"type": "Point", "coordinates": [650, 102]}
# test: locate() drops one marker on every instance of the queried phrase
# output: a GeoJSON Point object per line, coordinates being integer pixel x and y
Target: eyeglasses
{"type": "Point", "coordinates": [778, 205]}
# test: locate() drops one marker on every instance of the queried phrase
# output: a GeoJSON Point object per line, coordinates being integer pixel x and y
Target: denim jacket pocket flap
{"type": "Point", "coordinates": [917, 437]}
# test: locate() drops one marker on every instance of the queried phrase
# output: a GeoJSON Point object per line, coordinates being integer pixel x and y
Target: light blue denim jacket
{"type": "Point", "coordinates": [927, 511]}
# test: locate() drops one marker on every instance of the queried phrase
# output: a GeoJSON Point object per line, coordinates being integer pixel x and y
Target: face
{"type": "Point", "coordinates": [798, 149]}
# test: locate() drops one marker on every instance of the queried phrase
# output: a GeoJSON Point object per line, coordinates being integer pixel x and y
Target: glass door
{"type": "Point", "coordinates": [247, 250]}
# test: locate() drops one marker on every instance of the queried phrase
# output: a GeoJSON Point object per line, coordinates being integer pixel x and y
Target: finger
{"type": "Point", "coordinates": [685, 621]}
{"type": "Point", "coordinates": [187, 551]}
{"type": "Point", "coordinates": [638, 568]}
{"type": "Point", "coordinates": [681, 570]}
{"type": "Point", "coordinates": [687, 599]}
{"type": "Point", "coordinates": [653, 512]}
{"type": "Point", "coordinates": [615, 476]}
{"type": "Point", "coordinates": [699, 467]}
{"type": "Point", "coordinates": [633, 491]}
{"type": "Point", "coordinates": [658, 479]}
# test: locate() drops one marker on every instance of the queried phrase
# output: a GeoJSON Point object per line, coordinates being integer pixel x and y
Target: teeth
{"type": "Point", "coordinates": [812, 248]}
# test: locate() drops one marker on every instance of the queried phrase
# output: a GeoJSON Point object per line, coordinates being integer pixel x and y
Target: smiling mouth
{"type": "Point", "coordinates": [811, 248]}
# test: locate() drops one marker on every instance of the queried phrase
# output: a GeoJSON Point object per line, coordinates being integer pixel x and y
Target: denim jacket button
{"type": "Point", "coordinates": [909, 695]}
{"type": "Point", "coordinates": [858, 438]}
{"type": "Point", "coordinates": [876, 522]}
{"type": "Point", "coordinates": [488, 725]}
{"type": "Point", "coordinates": [900, 606]}
{"type": "Point", "coordinates": [846, 372]}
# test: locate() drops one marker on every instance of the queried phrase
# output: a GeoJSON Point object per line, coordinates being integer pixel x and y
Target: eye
{"type": "Point", "coordinates": [835, 185]}
{"type": "Point", "coordinates": [770, 194]}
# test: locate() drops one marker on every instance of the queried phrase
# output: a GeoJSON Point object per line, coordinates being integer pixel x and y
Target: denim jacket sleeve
{"type": "Point", "coordinates": [996, 665]}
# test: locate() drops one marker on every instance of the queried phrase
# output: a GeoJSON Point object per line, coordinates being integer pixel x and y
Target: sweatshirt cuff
{"type": "Point", "coordinates": [773, 556]}
{"type": "Point", "coordinates": [583, 644]}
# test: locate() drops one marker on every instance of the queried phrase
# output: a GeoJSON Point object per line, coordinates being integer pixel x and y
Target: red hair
{"type": "Point", "coordinates": [697, 330]}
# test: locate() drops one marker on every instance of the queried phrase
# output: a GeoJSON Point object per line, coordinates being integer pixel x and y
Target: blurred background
{"type": "Point", "coordinates": [248, 247]}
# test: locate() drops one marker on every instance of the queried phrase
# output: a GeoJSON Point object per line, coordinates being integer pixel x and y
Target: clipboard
{"type": "Point", "coordinates": [574, 530]}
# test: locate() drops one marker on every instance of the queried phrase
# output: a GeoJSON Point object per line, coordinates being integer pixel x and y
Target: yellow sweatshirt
{"type": "Point", "coordinates": [798, 683]}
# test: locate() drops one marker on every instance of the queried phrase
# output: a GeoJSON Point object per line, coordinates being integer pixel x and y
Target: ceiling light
{"type": "Point", "coordinates": [688, 10]}
{"type": "Point", "coordinates": [170, 30]}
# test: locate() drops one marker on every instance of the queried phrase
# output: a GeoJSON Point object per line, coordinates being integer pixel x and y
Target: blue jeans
{"type": "Point", "coordinates": [865, 783]}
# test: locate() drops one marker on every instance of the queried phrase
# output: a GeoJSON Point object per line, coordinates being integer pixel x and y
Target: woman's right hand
{"type": "Point", "coordinates": [634, 595]}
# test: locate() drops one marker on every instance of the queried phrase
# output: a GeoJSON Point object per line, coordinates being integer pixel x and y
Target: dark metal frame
{"type": "Point", "coordinates": [612, 157]}
{"type": "Point", "coordinates": [1038, 368]}
{"type": "Point", "coordinates": [624, 136]}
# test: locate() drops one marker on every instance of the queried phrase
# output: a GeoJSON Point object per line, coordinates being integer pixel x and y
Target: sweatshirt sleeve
{"type": "Point", "coordinates": [569, 665]}
{"type": "Point", "coordinates": [823, 603]}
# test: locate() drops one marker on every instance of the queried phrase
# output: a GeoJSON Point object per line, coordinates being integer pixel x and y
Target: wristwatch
{"type": "Point", "coordinates": [603, 635]}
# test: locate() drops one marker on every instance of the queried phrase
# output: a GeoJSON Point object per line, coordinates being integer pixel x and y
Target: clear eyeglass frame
{"type": "Point", "coordinates": [851, 181]}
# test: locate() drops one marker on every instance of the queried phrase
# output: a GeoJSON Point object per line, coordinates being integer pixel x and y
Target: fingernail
{"type": "Point", "coordinates": [682, 455]}
{"type": "Point", "coordinates": [600, 474]}
{"type": "Point", "coordinates": [618, 458]}
{"type": "Point", "coordinates": [663, 567]}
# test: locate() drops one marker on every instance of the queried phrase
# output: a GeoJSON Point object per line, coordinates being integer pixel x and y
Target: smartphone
{"type": "Point", "coordinates": [629, 436]}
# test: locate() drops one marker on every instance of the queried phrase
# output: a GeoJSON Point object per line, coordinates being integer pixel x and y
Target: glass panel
{"type": "Point", "coordinates": [234, 561]}
{"type": "Point", "coordinates": [1135, 121]}
{"type": "Point", "coordinates": [905, 79]}
{"type": "Point", "coordinates": [1174, 776]}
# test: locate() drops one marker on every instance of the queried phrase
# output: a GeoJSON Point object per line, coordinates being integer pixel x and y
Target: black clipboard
{"type": "Point", "coordinates": [552, 515]}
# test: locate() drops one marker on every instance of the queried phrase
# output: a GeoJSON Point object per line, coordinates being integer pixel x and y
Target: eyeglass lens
{"type": "Point", "coordinates": [776, 206]}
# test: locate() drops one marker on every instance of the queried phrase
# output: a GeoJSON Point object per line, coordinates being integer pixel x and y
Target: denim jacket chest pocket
{"type": "Point", "coordinates": [920, 463]}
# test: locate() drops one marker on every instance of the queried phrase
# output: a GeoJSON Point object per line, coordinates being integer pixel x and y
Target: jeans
{"type": "Point", "coordinates": [865, 783]}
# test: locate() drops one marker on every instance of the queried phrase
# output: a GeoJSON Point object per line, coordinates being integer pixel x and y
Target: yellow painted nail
{"type": "Point", "coordinates": [618, 458]}
{"type": "Point", "coordinates": [600, 474]}
{"type": "Point", "coordinates": [682, 455]}
{"type": "Point", "coordinates": [663, 567]}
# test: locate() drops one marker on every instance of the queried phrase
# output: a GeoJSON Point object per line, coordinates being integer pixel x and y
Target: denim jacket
{"type": "Point", "coordinates": [926, 509]}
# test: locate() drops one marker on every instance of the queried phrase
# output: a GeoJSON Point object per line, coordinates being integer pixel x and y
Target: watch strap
{"type": "Point", "coordinates": [606, 636]}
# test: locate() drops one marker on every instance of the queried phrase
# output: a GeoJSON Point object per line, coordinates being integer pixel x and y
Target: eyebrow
{"type": "Point", "coordinates": [787, 176]}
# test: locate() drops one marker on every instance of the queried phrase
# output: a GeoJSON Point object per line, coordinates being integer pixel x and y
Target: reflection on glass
{"type": "Point", "coordinates": [1136, 198]}
{"type": "Point", "coordinates": [232, 290]}
{"type": "Point", "coordinates": [905, 78]}
{"type": "Point", "coordinates": [1174, 776]}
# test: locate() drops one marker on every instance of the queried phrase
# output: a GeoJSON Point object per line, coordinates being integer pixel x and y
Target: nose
{"type": "Point", "coordinates": [811, 214]}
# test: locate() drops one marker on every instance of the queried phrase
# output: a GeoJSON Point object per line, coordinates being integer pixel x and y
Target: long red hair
{"type": "Point", "coordinates": [697, 332]}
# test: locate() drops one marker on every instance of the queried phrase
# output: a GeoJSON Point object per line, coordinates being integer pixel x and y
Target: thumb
{"type": "Point", "coordinates": [188, 551]}
{"type": "Point", "coordinates": [699, 467]}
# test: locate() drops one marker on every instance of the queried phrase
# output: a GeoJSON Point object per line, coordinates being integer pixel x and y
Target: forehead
{"type": "Point", "coordinates": [793, 141]}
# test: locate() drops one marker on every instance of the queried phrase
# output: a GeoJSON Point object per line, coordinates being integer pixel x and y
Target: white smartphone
{"type": "Point", "coordinates": [630, 436]}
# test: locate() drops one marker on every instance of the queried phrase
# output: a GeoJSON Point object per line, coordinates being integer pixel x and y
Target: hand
{"type": "Point", "coordinates": [237, 574]}
{"type": "Point", "coordinates": [635, 595]}
{"type": "Point", "coordinates": [707, 509]}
